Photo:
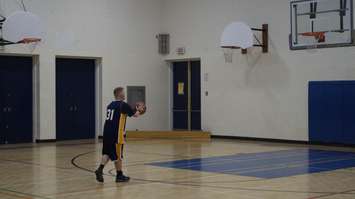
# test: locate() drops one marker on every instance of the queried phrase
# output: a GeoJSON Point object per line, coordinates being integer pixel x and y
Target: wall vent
{"type": "Point", "coordinates": [164, 43]}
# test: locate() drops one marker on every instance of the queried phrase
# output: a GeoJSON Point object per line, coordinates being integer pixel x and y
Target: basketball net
{"type": "Point", "coordinates": [228, 54]}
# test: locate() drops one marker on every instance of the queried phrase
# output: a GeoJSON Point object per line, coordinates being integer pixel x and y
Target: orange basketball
{"type": "Point", "coordinates": [141, 108]}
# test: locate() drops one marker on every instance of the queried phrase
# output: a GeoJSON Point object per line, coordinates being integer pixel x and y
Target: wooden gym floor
{"type": "Point", "coordinates": [179, 169]}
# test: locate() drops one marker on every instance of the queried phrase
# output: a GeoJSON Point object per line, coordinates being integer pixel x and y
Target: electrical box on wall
{"type": "Point", "coordinates": [135, 94]}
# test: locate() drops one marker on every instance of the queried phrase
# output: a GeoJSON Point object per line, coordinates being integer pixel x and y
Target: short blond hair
{"type": "Point", "coordinates": [117, 91]}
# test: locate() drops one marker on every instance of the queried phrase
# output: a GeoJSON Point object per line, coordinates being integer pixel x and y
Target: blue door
{"type": "Point", "coordinates": [75, 99]}
{"type": "Point", "coordinates": [180, 92]}
{"type": "Point", "coordinates": [195, 95]}
{"type": "Point", "coordinates": [187, 95]}
{"type": "Point", "coordinates": [16, 107]}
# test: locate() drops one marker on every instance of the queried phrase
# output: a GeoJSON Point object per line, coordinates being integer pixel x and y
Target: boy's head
{"type": "Point", "coordinates": [119, 93]}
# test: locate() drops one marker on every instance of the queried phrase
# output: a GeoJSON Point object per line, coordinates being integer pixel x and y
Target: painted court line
{"type": "Point", "coordinates": [271, 166]}
{"type": "Point", "coordinates": [246, 172]}
{"type": "Point", "coordinates": [26, 195]}
{"type": "Point", "coordinates": [207, 186]}
{"type": "Point", "coordinates": [14, 195]}
{"type": "Point", "coordinates": [293, 164]}
{"type": "Point", "coordinates": [251, 164]}
{"type": "Point", "coordinates": [235, 158]}
{"type": "Point", "coordinates": [216, 160]}
{"type": "Point", "coordinates": [332, 194]}
{"type": "Point", "coordinates": [280, 166]}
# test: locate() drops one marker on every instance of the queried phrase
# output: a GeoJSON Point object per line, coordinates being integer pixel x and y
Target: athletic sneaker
{"type": "Point", "coordinates": [99, 176]}
{"type": "Point", "coordinates": [122, 178]}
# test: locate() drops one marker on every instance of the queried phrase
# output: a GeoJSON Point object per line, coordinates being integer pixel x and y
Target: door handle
{"type": "Point", "coordinates": [7, 109]}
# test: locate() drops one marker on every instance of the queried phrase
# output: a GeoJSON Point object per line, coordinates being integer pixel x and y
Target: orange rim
{"type": "Point", "coordinates": [30, 40]}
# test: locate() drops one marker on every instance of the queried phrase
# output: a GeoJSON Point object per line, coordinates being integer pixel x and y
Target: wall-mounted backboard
{"type": "Point", "coordinates": [321, 24]}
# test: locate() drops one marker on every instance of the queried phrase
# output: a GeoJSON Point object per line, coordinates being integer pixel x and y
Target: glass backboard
{"type": "Point", "coordinates": [321, 24]}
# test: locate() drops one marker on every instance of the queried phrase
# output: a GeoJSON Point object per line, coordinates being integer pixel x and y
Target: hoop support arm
{"type": "Point", "coordinates": [5, 43]}
{"type": "Point", "coordinates": [264, 44]}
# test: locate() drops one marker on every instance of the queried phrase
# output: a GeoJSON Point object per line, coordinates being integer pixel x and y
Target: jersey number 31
{"type": "Point", "coordinates": [110, 113]}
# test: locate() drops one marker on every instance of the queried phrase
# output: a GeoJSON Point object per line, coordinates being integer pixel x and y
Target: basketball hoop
{"type": "Point", "coordinates": [31, 43]}
{"type": "Point", "coordinates": [319, 36]}
{"type": "Point", "coordinates": [21, 27]}
{"type": "Point", "coordinates": [29, 40]}
{"type": "Point", "coordinates": [239, 35]}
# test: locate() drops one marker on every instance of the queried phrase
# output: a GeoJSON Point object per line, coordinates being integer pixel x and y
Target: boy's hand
{"type": "Point", "coordinates": [141, 108]}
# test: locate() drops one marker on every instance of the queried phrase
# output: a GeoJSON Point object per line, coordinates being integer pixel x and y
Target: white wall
{"type": "Point", "coordinates": [122, 32]}
{"type": "Point", "coordinates": [259, 95]}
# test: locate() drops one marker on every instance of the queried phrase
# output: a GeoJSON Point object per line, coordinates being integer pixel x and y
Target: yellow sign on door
{"type": "Point", "coordinates": [181, 89]}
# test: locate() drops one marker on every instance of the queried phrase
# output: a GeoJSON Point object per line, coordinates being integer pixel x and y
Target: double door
{"type": "Point", "coordinates": [75, 98]}
{"type": "Point", "coordinates": [16, 108]}
{"type": "Point", "coordinates": [187, 95]}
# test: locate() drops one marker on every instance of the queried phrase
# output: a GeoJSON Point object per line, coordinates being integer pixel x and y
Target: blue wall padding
{"type": "Point", "coordinates": [332, 112]}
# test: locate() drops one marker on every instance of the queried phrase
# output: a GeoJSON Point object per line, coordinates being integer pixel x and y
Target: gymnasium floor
{"type": "Point", "coordinates": [180, 169]}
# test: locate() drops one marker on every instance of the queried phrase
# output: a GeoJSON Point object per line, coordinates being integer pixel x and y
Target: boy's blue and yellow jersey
{"type": "Point", "coordinates": [115, 124]}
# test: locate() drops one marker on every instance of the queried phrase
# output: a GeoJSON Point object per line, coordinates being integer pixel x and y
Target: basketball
{"type": "Point", "coordinates": [141, 108]}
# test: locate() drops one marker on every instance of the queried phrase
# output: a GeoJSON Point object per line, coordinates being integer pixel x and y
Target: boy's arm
{"type": "Point", "coordinates": [131, 112]}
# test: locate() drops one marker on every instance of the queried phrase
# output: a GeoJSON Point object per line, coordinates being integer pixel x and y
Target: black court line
{"type": "Point", "coordinates": [23, 193]}
{"type": "Point", "coordinates": [204, 186]}
{"type": "Point", "coordinates": [13, 195]}
{"type": "Point", "coordinates": [210, 182]}
{"type": "Point", "coordinates": [78, 166]}
{"type": "Point", "coordinates": [163, 182]}
{"type": "Point", "coordinates": [58, 194]}
{"type": "Point", "coordinates": [327, 195]}
{"type": "Point", "coordinates": [39, 145]}
{"type": "Point", "coordinates": [36, 164]}
{"type": "Point", "coordinates": [44, 145]}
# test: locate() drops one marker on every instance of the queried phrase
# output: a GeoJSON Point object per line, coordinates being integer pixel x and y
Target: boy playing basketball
{"type": "Point", "coordinates": [114, 133]}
